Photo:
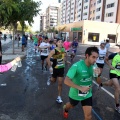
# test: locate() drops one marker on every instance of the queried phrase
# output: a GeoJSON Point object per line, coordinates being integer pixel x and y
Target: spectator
{"type": "Point", "coordinates": [23, 42]}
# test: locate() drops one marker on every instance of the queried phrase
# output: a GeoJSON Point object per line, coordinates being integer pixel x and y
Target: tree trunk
{"type": "Point", "coordinates": [14, 32]}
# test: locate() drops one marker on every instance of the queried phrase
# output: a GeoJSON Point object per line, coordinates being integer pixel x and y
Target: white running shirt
{"type": "Point", "coordinates": [44, 51]}
{"type": "Point", "coordinates": [101, 57]}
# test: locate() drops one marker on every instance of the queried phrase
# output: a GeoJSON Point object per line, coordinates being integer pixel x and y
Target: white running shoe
{"type": "Point", "coordinates": [48, 81]}
{"type": "Point", "coordinates": [117, 109]}
{"type": "Point", "coordinates": [59, 100]}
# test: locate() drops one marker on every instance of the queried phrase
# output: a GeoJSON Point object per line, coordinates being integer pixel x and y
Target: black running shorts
{"type": "Point", "coordinates": [58, 72]}
{"type": "Point", "coordinates": [43, 57]}
{"type": "Point", "coordinates": [112, 75]}
{"type": "Point", "coordinates": [86, 102]}
{"type": "Point", "coordinates": [100, 65]}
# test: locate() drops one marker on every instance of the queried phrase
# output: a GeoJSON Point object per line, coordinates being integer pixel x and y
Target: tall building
{"type": "Point", "coordinates": [42, 22]}
{"type": "Point", "coordinates": [52, 15]}
{"type": "Point", "coordinates": [96, 10]}
{"type": "Point", "coordinates": [111, 9]}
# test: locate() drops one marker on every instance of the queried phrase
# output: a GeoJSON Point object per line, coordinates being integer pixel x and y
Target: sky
{"type": "Point", "coordinates": [45, 3]}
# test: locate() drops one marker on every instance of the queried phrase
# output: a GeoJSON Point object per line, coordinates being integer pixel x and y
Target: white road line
{"type": "Point", "coordinates": [104, 90]}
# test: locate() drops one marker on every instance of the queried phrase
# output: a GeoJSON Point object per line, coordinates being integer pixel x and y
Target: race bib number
{"type": "Point", "coordinates": [117, 67]}
{"type": "Point", "coordinates": [44, 51]}
{"type": "Point", "coordinates": [59, 62]}
{"type": "Point", "coordinates": [101, 57]}
{"type": "Point", "coordinates": [83, 94]}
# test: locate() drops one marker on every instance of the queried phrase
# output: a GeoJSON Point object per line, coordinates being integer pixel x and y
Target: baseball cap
{"type": "Point", "coordinates": [102, 42]}
{"type": "Point", "coordinates": [107, 39]}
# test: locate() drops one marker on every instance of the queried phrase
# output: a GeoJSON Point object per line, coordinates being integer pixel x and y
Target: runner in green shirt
{"type": "Point", "coordinates": [79, 78]}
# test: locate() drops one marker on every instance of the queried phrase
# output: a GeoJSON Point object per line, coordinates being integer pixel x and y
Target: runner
{"type": "Point", "coordinates": [57, 68]}
{"type": "Point", "coordinates": [114, 76]}
{"type": "Point", "coordinates": [102, 54]}
{"type": "Point", "coordinates": [53, 44]}
{"type": "Point", "coordinates": [35, 39]}
{"type": "Point", "coordinates": [79, 79]}
{"type": "Point", "coordinates": [74, 48]}
{"type": "Point", "coordinates": [107, 44]}
{"type": "Point", "coordinates": [44, 48]}
{"type": "Point", "coordinates": [67, 45]}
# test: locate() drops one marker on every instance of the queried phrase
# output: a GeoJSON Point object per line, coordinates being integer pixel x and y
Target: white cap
{"type": "Point", "coordinates": [107, 39]}
{"type": "Point", "coordinates": [102, 42]}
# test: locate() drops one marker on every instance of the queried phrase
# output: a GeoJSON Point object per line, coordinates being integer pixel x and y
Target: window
{"type": "Point", "coordinates": [93, 11]}
{"type": "Point", "coordinates": [99, 1]}
{"type": "Point", "coordinates": [112, 38]}
{"type": "Point", "coordinates": [93, 37]}
{"type": "Point", "coordinates": [85, 7]}
{"type": "Point", "coordinates": [97, 17]}
{"type": "Point", "coordinates": [110, 5]}
{"type": "Point", "coordinates": [85, 1]}
{"type": "Point", "coordinates": [85, 13]}
{"type": "Point", "coordinates": [110, 14]}
{"type": "Point", "coordinates": [98, 9]}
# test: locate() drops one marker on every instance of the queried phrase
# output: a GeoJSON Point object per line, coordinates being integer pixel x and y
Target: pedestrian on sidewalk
{"type": "Point", "coordinates": [6, 67]}
{"type": "Point", "coordinates": [23, 42]}
{"type": "Point", "coordinates": [114, 77]}
{"type": "Point", "coordinates": [79, 78]}
{"type": "Point", "coordinates": [0, 48]}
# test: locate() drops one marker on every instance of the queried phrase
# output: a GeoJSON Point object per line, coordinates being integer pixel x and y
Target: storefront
{"type": "Point", "coordinates": [89, 32]}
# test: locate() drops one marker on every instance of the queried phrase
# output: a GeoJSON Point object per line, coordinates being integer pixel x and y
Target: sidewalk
{"type": "Point", "coordinates": [8, 54]}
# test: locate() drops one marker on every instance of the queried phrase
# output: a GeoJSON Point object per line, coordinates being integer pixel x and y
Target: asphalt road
{"type": "Point", "coordinates": [27, 96]}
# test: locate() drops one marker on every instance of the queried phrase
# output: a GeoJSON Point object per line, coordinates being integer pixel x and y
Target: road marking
{"type": "Point", "coordinates": [99, 118]}
{"type": "Point", "coordinates": [104, 90]}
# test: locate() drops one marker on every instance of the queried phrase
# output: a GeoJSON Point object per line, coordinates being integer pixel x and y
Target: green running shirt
{"type": "Point", "coordinates": [81, 75]}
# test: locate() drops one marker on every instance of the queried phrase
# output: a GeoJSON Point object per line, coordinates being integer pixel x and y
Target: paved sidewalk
{"type": "Point", "coordinates": [8, 54]}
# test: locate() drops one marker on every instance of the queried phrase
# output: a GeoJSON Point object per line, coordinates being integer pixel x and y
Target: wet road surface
{"type": "Point", "coordinates": [27, 96]}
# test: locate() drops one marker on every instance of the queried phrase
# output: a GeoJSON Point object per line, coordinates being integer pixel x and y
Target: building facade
{"type": "Point", "coordinates": [92, 32]}
{"type": "Point", "coordinates": [53, 15]}
{"type": "Point", "coordinates": [42, 22]}
{"type": "Point", "coordinates": [96, 10]}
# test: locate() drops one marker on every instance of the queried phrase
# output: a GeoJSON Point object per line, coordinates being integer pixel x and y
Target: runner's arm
{"type": "Point", "coordinates": [49, 56]}
{"type": "Point", "coordinates": [69, 83]}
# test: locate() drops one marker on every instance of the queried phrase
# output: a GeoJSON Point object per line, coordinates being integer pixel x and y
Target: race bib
{"type": "Point", "coordinates": [101, 57]}
{"type": "Point", "coordinates": [83, 94]}
{"type": "Point", "coordinates": [59, 62]}
{"type": "Point", "coordinates": [117, 67]}
{"type": "Point", "coordinates": [45, 51]}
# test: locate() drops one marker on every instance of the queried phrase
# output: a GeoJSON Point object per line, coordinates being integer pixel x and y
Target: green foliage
{"type": "Point", "coordinates": [12, 11]}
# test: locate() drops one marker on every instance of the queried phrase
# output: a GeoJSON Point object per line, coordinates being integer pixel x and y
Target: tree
{"type": "Point", "coordinates": [12, 11]}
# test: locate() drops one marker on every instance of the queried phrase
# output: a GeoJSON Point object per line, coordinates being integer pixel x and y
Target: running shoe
{"type": "Point", "coordinates": [65, 114]}
{"type": "Point", "coordinates": [117, 109]}
{"type": "Point", "coordinates": [48, 81]}
{"type": "Point", "coordinates": [59, 100]}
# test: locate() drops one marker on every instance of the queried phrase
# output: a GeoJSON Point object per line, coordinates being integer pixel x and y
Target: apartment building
{"type": "Point", "coordinates": [96, 10]}
{"type": "Point", "coordinates": [52, 15]}
{"type": "Point", "coordinates": [42, 22]}
{"type": "Point", "coordinates": [111, 9]}
{"type": "Point", "coordinates": [85, 12]}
